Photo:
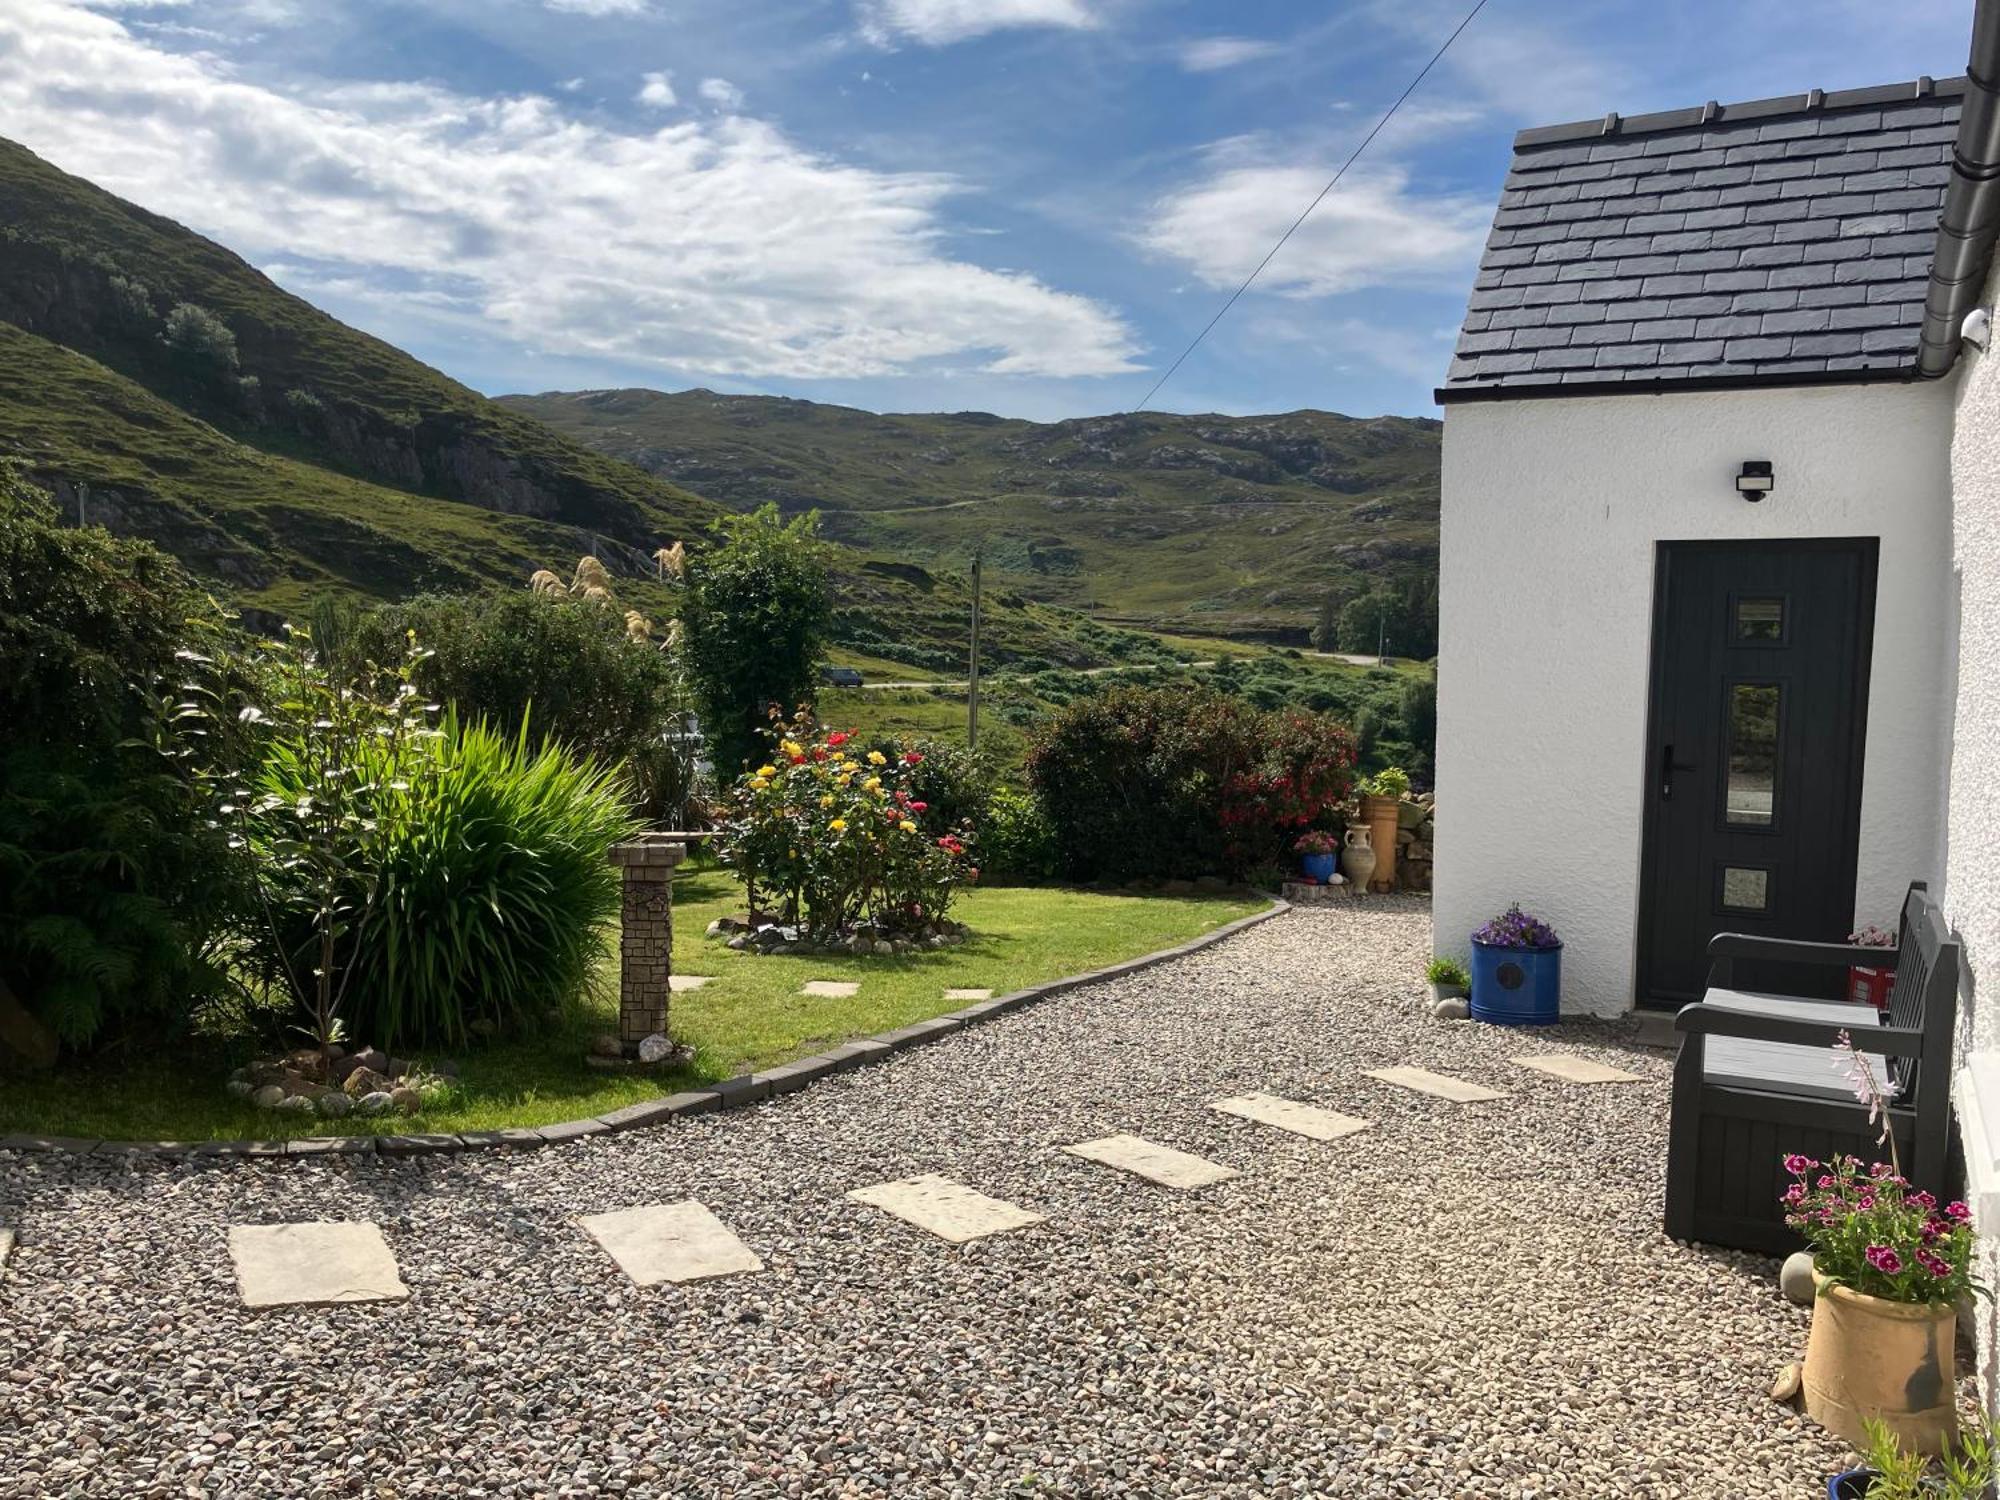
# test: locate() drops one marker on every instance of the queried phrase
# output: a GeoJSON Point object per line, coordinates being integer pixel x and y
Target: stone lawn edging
{"type": "Point", "coordinates": [728, 1093]}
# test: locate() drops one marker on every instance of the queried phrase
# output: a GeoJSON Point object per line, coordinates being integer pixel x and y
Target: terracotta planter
{"type": "Point", "coordinates": [1379, 813]}
{"type": "Point", "coordinates": [1869, 1357]}
{"type": "Point", "coordinates": [1357, 859]}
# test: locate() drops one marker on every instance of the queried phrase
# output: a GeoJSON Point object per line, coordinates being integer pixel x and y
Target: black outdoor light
{"type": "Point", "coordinates": [1753, 480]}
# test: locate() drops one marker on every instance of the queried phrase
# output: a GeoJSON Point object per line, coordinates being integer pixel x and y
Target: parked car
{"type": "Point", "coordinates": [848, 677]}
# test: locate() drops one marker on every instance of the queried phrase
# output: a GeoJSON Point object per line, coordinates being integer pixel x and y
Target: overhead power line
{"type": "Point", "coordinates": [1332, 183]}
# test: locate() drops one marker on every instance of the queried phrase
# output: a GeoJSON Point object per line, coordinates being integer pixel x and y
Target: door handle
{"type": "Point", "coordinates": [1668, 765]}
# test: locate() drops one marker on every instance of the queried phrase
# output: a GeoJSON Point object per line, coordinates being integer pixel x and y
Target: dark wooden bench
{"type": "Point", "coordinates": [1757, 1077]}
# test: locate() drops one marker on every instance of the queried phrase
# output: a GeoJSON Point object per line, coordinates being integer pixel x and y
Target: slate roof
{"type": "Point", "coordinates": [1781, 241]}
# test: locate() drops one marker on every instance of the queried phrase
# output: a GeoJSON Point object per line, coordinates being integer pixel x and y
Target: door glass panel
{"type": "Point", "coordinates": [1753, 754]}
{"type": "Point", "coordinates": [1745, 889]}
{"type": "Point", "coordinates": [1759, 620]}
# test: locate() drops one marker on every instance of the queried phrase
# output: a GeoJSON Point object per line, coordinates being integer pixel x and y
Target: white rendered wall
{"type": "Point", "coordinates": [1972, 866]}
{"type": "Point", "coordinates": [1551, 509]}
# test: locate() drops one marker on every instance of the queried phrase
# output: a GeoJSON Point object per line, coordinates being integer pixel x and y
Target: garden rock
{"type": "Point", "coordinates": [1452, 1008]}
{"type": "Point", "coordinates": [366, 1081]}
{"type": "Point", "coordinates": [1795, 1278]}
{"type": "Point", "coordinates": [296, 1104]}
{"type": "Point", "coordinates": [739, 943]}
{"type": "Point", "coordinates": [406, 1099]}
{"type": "Point", "coordinates": [334, 1105]}
{"type": "Point", "coordinates": [241, 1087]}
{"type": "Point", "coordinates": [655, 1048]}
{"type": "Point", "coordinates": [373, 1104]}
{"type": "Point", "coordinates": [270, 1096]}
{"type": "Point", "coordinates": [604, 1044]}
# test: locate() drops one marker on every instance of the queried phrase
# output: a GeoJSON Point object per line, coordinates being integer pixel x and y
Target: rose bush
{"type": "Point", "coordinates": [823, 833]}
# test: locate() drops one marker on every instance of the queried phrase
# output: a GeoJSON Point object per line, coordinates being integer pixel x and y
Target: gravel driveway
{"type": "Point", "coordinates": [1466, 1300]}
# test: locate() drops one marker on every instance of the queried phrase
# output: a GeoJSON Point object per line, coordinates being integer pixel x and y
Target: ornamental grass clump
{"type": "Point", "coordinates": [1870, 1231]}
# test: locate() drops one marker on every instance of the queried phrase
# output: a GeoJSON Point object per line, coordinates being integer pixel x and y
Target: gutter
{"type": "Point", "coordinates": [1969, 222]}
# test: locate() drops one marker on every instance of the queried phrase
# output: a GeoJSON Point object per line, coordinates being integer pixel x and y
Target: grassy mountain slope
{"type": "Point", "coordinates": [1207, 523]}
{"type": "Point", "coordinates": [328, 460]}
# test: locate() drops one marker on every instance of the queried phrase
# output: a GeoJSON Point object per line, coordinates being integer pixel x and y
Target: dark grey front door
{"type": "Point", "coordinates": [1760, 695]}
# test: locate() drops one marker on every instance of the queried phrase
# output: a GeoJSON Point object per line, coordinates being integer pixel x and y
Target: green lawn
{"type": "Point", "coordinates": [751, 1015]}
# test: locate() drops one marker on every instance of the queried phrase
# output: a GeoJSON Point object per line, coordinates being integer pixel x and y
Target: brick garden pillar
{"type": "Point", "coordinates": [646, 935]}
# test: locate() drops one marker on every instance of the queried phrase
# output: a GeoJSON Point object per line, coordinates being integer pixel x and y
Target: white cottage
{"type": "Point", "coordinates": [1720, 639]}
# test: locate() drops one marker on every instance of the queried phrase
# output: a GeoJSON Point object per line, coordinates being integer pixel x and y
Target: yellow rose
{"type": "Point", "coordinates": [877, 758]}
{"type": "Point", "coordinates": [872, 784]}
{"type": "Point", "coordinates": [826, 801]}
{"type": "Point", "coordinates": [907, 826]}
{"type": "Point", "coordinates": [790, 747]}
{"type": "Point", "coordinates": [758, 783]}
{"type": "Point", "coordinates": [767, 770]}
{"type": "Point", "coordinates": [838, 825]}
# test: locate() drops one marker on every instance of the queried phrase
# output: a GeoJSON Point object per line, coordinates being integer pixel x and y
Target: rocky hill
{"type": "Point", "coordinates": [1231, 525]}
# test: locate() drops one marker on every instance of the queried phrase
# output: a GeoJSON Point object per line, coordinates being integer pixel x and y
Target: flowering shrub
{"type": "Point", "coordinates": [1317, 841]}
{"type": "Point", "coordinates": [1175, 782]}
{"type": "Point", "coordinates": [1514, 928]}
{"type": "Point", "coordinates": [1870, 1231]}
{"type": "Point", "coordinates": [825, 833]}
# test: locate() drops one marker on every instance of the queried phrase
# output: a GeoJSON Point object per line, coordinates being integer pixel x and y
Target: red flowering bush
{"type": "Point", "coordinates": [1179, 782]}
{"type": "Point", "coordinates": [1870, 1231]}
{"type": "Point", "coordinates": [822, 833]}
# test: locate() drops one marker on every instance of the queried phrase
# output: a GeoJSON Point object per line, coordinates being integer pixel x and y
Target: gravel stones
{"type": "Point", "coordinates": [1473, 1303]}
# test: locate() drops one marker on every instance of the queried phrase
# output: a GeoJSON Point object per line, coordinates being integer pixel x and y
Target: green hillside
{"type": "Point", "coordinates": [1212, 524]}
{"type": "Point", "coordinates": [310, 457]}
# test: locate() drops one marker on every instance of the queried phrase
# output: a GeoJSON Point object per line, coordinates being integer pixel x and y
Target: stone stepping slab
{"type": "Point", "coordinates": [313, 1265]}
{"type": "Point", "coordinates": [1152, 1161]}
{"type": "Point", "coordinates": [1288, 1114]}
{"type": "Point", "coordinates": [681, 983]}
{"type": "Point", "coordinates": [948, 1209]}
{"type": "Point", "coordinates": [831, 989]}
{"type": "Point", "coordinates": [968, 994]}
{"type": "Point", "coordinates": [1572, 1069]}
{"type": "Point", "coordinates": [1438, 1085]}
{"type": "Point", "coordinates": [6, 1246]}
{"type": "Point", "coordinates": [677, 1242]}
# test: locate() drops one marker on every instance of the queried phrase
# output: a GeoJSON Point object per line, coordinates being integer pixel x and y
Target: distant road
{"type": "Point", "coordinates": [960, 682]}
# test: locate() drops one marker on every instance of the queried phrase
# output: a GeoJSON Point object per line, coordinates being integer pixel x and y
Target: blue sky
{"type": "Point", "coordinates": [1022, 206]}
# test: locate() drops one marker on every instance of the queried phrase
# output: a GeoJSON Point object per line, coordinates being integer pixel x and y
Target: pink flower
{"type": "Point", "coordinates": [1883, 1259]}
{"type": "Point", "coordinates": [1936, 1265]}
{"type": "Point", "coordinates": [1826, 1182]}
{"type": "Point", "coordinates": [1795, 1194]}
{"type": "Point", "coordinates": [1799, 1165]}
{"type": "Point", "coordinates": [1935, 1229]}
{"type": "Point", "coordinates": [1922, 1200]}
{"type": "Point", "coordinates": [1957, 1212]}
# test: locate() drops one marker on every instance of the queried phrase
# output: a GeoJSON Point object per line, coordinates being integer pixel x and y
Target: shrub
{"type": "Point", "coordinates": [116, 892]}
{"type": "Point", "coordinates": [755, 612]}
{"type": "Point", "coordinates": [1017, 841]}
{"type": "Point", "coordinates": [560, 668]}
{"type": "Point", "coordinates": [1182, 781]}
{"type": "Point", "coordinates": [830, 834]}
{"type": "Point", "coordinates": [1448, 971]}
{"type": "Point", "coordinates": [954, 782]}
{"type": "Point", "coordinates": [420, 881]}
{"type": "Point", "coordinates": [201, 342]}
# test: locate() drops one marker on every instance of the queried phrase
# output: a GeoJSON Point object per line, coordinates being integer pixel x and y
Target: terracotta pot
{"type": "Point", "coordinates": [1379, 813]}
{"type": "Point", "coordinates": [1869, 1357]}
{"type": "Point", "coordinates": [1357, 858]}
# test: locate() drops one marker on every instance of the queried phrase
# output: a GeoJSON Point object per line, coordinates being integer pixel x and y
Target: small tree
{"type": "Point", "coordinates": [201, 341]}
{"type": "Point", "coordinates": [755, 614]}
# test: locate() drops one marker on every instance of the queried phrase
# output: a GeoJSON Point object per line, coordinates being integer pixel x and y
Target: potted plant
{"type": "Point", "coordinates": [1866, 983]}
{"type": "Point", "coordinates": [1892, 1472]}
{"type": "Point", "coordinates": [1889, 1265]}
{"type": "Point", "coordinates": [1449, 979]}
{"type": "Point", "coordinates": [1381, 796]}
{"type": "Point", "coordinates": [1516, 971]}
{"type": "Point", "coordinates": [1318, 852]}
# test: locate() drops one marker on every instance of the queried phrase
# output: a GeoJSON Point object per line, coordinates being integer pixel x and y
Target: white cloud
{"type": "Point", "coordinates": [600, 7]}
{"type": "Point", "coordinates": [721, 93]}
{"type": "Point", "coordinates": [937, 23]}
{"type": "Point", "coordinates": [706, 246]}
{"type": "Point", "coordinates": [656, 91]}
{"type": "Point", "coordinates": [1212, 53]}
{"type": "Point", "coordinates": [1374, 229]}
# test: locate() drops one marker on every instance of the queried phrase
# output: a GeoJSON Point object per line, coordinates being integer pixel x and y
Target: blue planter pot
{"type": "Point", "coordinates": [1319, 866]}
{"type": "Point", "coordinates": [1516, 986]}
{"type": "Point", "coordinates": [1853, 1485]}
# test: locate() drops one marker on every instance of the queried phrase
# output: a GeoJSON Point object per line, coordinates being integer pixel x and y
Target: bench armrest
{"type": "Point", "coordinates": [1701, 1019]}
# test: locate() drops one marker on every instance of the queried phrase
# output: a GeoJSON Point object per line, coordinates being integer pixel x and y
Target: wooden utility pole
{"type": "Point", "coordinates": [972, 676]}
